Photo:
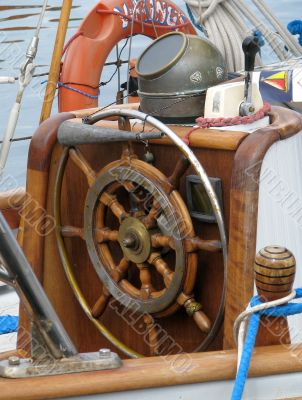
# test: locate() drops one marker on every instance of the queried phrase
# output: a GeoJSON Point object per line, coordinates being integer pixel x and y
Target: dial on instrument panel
{"type": "Point", "coordinates": [140, 240]}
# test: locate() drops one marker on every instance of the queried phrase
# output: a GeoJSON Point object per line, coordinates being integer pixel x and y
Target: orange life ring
{"type": "Point", "coordinates": [106, 24]}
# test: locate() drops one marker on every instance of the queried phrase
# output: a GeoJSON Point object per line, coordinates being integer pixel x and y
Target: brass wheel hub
{"type": "Point", "coordinates": [134, 240]}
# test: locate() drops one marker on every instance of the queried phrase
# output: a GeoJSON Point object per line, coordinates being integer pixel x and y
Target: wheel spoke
{"type": "Point", "coordinates": [127, 149]}
{"type": "Point", "coordinates": [145, 278]}
{"type": "Point", "coordinates": [180, 168]}
{"type": "Point", "coordinates": [72, 231]}
{"type": "Point", "coordinates": [123, 265]}
{"type": "Point", "coordinates": [103, 248]}
{"type": "Point", "coordinates": [161, 267]}
{"type": "Point", "coordinates": [78, 158]}
{"type": "Point", "coordinates": [196, 243]}
{"type": "Point", "coordinates": [150, 220]}
{"type": "Point", "coordinates": [116, 207]}
{"type": "Point", "coordinates": [193, 309]}
{"type": "Point", "coordinates": [129, 186]}
{"type": "Point", "coordinates": [120, 270]}
{"type": "Point", "coordinates": [152, 333]}
{"type": "Point", "coordinates": [136, 203]}
{"type": "Point", "coordinates": [105, 235]}
{"type": "Point", "coordinates": [101, 303]}
{"type": "Point", "coordinates": [117, 274]}
{"type": "Point", "coordinates": [159, 240]}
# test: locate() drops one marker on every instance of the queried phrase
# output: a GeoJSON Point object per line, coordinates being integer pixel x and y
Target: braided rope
{"type": "Point", "coordinates": [90, 96]}
{"type": "Point", "coordinates": [8, 324]}
{"type": "Point", "coordinates": [246, 357]}
{"type": "Point", "coordinates": [211, 6]}
{"type": "Point", "coordinates": [219, 122]}
{"type": "Point", "coordinates": [258, 309]}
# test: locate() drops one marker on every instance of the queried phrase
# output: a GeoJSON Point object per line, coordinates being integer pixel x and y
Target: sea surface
{"type": "Point", "coordinates": [18, 19]}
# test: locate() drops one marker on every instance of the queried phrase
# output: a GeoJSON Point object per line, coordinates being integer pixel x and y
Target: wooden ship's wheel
{"type": "Point", "coordinates": [139, 236]}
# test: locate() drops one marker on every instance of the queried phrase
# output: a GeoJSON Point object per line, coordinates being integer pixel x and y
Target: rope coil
{"type": "Point", "coordinates": [226, 23]}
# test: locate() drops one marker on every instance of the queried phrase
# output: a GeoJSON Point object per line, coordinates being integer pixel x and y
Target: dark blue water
{"type": "Point", "coordinates": [18, 19]}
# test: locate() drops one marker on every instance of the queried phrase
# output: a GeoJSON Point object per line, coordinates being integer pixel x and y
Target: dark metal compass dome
{"type": "Point", "coordinates": [174, 73]}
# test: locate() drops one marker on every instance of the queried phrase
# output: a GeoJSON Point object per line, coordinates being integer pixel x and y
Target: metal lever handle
{"type": "Point", "coordinates": [250, 47]}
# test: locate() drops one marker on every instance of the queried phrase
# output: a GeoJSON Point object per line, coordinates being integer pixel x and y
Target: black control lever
{"type": "Point", "coordinates": [250, 46]}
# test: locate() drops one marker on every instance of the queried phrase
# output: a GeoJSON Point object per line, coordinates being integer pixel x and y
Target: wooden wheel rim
{"type": "Point", "coordinates": [153, 305]}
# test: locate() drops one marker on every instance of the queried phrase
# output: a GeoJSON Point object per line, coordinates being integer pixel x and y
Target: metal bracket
{"type": "Point", "coordinates": [53, 352]}
{"type": "Point", "coordinates": [16, 367]}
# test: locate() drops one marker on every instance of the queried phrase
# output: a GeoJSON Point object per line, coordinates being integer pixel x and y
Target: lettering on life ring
{"type": "Point", "coordinates": [158, 12]}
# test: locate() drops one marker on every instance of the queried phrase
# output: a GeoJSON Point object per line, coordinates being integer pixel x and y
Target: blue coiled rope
{"type": "Point", "coordinates": [8, 324]}
{"type": "Point", "coordinates": [295, 28]}
{"type": "Point", "coordinates": [279, 311]}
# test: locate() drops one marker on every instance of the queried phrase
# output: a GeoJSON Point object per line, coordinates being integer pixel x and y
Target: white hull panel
{"type": "Point", "coordinates": [280, 208]}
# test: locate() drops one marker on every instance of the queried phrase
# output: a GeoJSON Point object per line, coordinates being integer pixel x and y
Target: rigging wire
{"type": "Point", "coordinates": [41, 17]}
{"type": "Point", "coordinates": [117, 63]}
{"type": "Point", "coordinates": [20, 139]}
{"type": "Point", "coordinates": [130, 42]}
{"type": "Point", "coordinates": [137, 6]}
{"type": "Point", "coordinates": [27, 69]}
{"type": "Point", "coordinates": [118, 68]}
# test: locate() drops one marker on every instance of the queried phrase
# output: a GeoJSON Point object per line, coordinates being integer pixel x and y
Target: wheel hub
{"type": "Point", "coordinates": [134, 240]}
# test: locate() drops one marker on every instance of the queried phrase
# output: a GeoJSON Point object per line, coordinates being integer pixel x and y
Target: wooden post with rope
{"type": "Point", "coordinates": [56, 61]}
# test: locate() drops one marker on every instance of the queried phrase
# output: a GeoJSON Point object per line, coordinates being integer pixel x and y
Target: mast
{"type": "Point", "coordinates": [56, 61]}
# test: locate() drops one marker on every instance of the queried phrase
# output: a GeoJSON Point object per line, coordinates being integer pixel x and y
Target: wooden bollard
{"type": "Point", "coordinates": [275, 269]}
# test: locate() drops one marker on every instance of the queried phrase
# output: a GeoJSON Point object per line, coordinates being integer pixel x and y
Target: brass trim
{"type": "Point", "coordinates": [133, 231]}
{"type": "Point", "coordinates": [171, 94]}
